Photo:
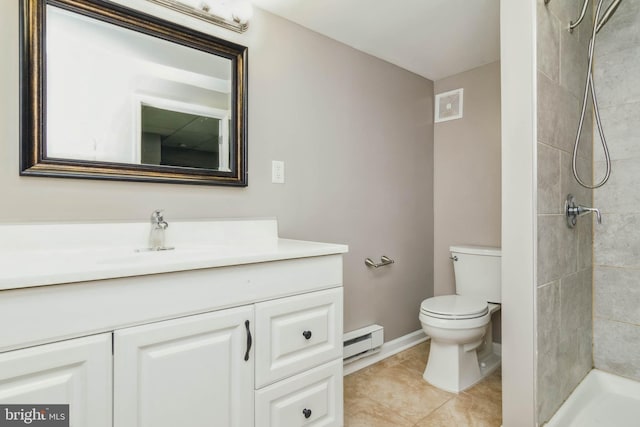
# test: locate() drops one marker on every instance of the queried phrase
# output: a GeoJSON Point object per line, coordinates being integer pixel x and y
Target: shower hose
{"type": "Point", "coordinates": [589, 87]}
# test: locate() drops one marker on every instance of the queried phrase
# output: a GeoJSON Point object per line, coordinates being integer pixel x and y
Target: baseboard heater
{"type": "Point", "coordinates": [362, 342]}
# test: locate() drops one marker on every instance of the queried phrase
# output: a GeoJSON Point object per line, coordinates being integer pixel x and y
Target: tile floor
{"type": "Point", "coordinates": [392, 393]}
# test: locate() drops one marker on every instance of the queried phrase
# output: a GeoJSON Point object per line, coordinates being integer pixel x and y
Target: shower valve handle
{"type": "Point", "coordinates": [573, 211]}
{"type": "Point", "coordinates": [583, 210]}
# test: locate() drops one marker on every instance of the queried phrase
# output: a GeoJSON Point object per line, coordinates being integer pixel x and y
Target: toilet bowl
{"type": "Point", "coordinates": [456, 329]}
{"type": "Point", "coordinates": [460, 325]}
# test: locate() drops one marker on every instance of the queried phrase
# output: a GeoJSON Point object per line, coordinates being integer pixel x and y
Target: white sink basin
{"type": "Point", "coordinates": [172, 255]}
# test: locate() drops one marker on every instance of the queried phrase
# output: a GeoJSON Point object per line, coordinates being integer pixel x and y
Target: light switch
{"type": "Point", "coordinates": [277, 172]}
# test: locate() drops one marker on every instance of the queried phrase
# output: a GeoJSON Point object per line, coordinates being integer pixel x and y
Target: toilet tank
{"type": "Point", "coordinates": [477, 272]}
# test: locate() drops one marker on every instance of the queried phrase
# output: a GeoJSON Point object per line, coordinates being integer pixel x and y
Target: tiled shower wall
{"type": "Point", "coordinates": [564, 270]}
{"type": "Point", "coordinates": [617, 240]}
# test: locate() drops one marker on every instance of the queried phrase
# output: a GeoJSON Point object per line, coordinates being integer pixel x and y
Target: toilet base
{"type": "Point", "coordinates": [452, 368]}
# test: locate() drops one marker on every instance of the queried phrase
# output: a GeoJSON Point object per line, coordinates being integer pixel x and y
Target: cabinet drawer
{"type": "Point", "coordinates": [310, 399]}
{"type": "Point", "coordinates": [297, 333]}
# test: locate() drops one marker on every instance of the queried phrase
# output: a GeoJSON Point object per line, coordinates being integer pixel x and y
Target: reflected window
{"type": "Point", "coordinates": [173, 138]}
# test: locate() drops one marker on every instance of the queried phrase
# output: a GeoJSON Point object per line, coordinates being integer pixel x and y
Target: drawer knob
{"type": "Point", "coordinates": [307, 335]}
{"type": "Point", "coordinates": [306, 412]}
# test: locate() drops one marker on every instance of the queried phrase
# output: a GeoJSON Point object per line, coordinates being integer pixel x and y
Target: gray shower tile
{"type": "Point", "coordinates": [575, 303]}
{"type": "Point", "coordinates": [617, 294]}
{"type": "Point", "coordinates": [565, 10]}
{"type": "Point", "coordinates": [575, 360]}
{"type": "Point", "coordinates": [617, 240]}
{"type": "Point", "coordinates": [614, 75]}
{"type": "Point", "coordinates": [548, 315]}
{"type": "Point", "coordinates": [585, 242]}
{"type": "Point", "coordinates": [548, 180]}
{"type": "Point", "coordinates": [548, 43]}
{"type": "Point", "coordinates": [558, 114]}
{"type": "Point", "coordinates": [549, 394]}
{"type": "Point", "coordinates": [569, 10]}
{"type": "Point", "coordinates": [557, 248]}
{"type": "Point", "coordinates": [569, 184]}
{"type": "Point", "coordinates": [621, 32]}
{"type": "Point", "coordinates": [548, 349]}
{"type": "Point", "coordinates": [620, 124]}
{"type": "Point", "coordinates": [585, 146]}
{"type": "Point", "coordinates": [583, 32]}
{"type": "Point", "coordinates": [620, 193]}
{"type": "Point", "coordinates": [574, 60]}
{"type": "Point", "coordinates": [616, 348]}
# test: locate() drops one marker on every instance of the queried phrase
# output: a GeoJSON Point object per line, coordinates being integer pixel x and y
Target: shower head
{"type": "Point", "coordinates": [607, 14]}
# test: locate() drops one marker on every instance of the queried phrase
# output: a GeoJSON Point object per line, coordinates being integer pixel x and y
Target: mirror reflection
{"type": "Point", "coordinates": [117, 95]}
{"type": "Point", "coordinates": [172, 138]}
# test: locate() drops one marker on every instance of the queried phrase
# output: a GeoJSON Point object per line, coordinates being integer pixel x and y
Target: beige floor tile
{"type": "Point", "coordinates": [400, 389]}
{"type": "Point", "coordinates": [416, 357]}
{"type": "Point", "coordinates": [489, 388]}
{"type": "Point", "coordinates": [393, 393]}
{"type": "Point", "coordinates": [419, 351]}
{"type": "Point", "coordinates": [355, 384]}
{"type": "Point", "coordinates": [464, 410]}
{"type": "Point", "coordinates": [364, 412]}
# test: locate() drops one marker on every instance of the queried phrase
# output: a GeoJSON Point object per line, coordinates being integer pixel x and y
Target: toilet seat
{"type": "Point", "coordinates": [454, 307]}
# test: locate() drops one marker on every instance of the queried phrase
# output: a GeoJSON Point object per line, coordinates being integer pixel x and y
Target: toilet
{"type": "Point", "coordinates": [459, 325]}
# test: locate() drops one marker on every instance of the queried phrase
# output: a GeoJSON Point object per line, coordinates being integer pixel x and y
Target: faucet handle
{"type": "Point", "coordinates": [157, 219]}
{"type": "Point", "coordinates": [157, 215]}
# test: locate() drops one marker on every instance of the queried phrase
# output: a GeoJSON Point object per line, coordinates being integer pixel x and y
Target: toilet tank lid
{"type": "Point", "coordinates": [476, 250]}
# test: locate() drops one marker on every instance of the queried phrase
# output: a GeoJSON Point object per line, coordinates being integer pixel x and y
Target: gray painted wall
{"type": "Point", "coordinates": [356, 134]}
{"type": "Point", "coordinates": [467, 171]}
{"type": "Point", "coordinates": [564, 270]}
{"type": "Point", "coordinates": [617, 240]}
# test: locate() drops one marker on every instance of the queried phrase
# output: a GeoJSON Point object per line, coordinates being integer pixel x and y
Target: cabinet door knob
{"type": "Point", "coordinates": [307, 334]}
{"type": "Point", "coordinates": [306, 412]}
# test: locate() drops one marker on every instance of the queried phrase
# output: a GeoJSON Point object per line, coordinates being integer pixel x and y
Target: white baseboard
{"type": "Point", "coordinates": [386, 350]}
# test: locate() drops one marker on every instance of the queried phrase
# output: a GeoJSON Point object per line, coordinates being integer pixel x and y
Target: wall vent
{"type": "Point", "coordinates": [362, 342]}
{"type": "Point", "coordinates": [449, 105]}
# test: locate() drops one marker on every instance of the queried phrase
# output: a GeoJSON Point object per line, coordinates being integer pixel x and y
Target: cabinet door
{"type": "Point", "coordinates": [194, 371]}
{"type": "Point", "coordinates": [76, 372]}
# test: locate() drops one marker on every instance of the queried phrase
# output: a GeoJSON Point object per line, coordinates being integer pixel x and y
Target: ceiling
{"type": "Point", "coordinates": [432, 38]}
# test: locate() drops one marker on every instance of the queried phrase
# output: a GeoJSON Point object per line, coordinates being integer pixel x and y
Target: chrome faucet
{"type": "Point", "coordinates": [158, 227]}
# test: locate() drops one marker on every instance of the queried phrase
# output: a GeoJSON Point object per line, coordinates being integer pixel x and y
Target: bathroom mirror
{"type": "Point", "coordinates": [111, 93]}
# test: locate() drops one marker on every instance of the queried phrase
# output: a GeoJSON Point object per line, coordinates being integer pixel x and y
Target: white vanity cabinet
{"type": "Point", "coordinates": [199, 370]}
{"type": "Point", "coordinates": [244, 332]}
{"type": "Point", "coordinates": [75, 372]}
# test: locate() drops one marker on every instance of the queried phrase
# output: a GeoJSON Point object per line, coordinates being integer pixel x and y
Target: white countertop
{"type": "Point", "coordinates": [28, 266]}
{"type": "Point", "coordinates": [29, 269]}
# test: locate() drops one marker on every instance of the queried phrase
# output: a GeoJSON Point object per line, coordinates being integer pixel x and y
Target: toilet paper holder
{"type": "Point", "coordinates": [384, 260]}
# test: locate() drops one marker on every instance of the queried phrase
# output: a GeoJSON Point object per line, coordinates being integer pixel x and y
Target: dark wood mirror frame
{"type": "Point", "coordinates": [33, 116]}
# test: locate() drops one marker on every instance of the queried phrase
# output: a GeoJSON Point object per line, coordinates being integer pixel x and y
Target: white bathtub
{"type": "Point", "coordinates": [600, 400]}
